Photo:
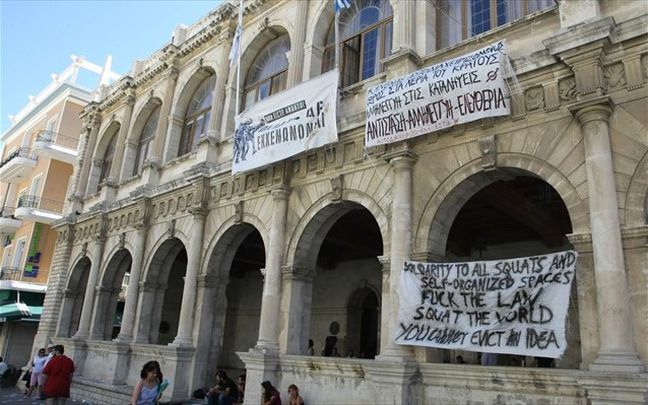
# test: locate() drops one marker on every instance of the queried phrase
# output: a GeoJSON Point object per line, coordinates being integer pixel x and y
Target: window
{"type": "Point", "coordinates": [365, 31]}
{"type": "Point", "coordinates": [267, 75]}
{"type": "Point", "coordinates": [458, 20]}
{"type": "Point", "coordinates": [108, 159]}
{"type": "Point", "coordinates": [196, 121]}
{"type": "Point", "coordinates": [51, 125]}
{"type": "Point", "coordinates": [146, 138]}
{"type": "Point", "coordinates": [36, 185]}
{"type": "Point", "coordinates": [20, 249]}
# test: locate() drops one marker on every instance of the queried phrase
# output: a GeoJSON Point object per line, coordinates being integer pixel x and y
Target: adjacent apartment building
{"type": "Point", "coordinates": [38, 154]}
{"type": "Point", "coordinates": [240, 271]}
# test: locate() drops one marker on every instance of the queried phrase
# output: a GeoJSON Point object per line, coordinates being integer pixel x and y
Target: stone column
{"type": "Point", "coordinates": [385, 300]}
{"type": "Point", "coordinates": [116, 168]}
{"type": "Point", "coordinates": [86, 160]}
{"type": "Point", "coordinates": [296, 63]}
{"type": "Point", "coordinates": [101, 310]}
{"type": "Point", "coordinates": [401, 245]}
{"type": "Point", "coordinates": [269, 323]}
{"type": "Point", "coordinates": [65, 318]}
{"type": "Point", "coordinates": [145, 306]}
{"type": "Point", "coordinates": [194, 256]}
{"type": "Point", "coordinates": [404, 25]}
{"type": "Point", "coordinates": [210, 309]}
{"type": "Point", "coordinates": [219, 91]}
{"type": "Point", "coordinates": [617, 350]}
{"type": "Point", "coordinates": [89, 298]}
{"type": "Point", "coordinates": [132, 293]}
{"type": "Point", "coordinates": [155, 157]}
{"type": "Point", "coordinates": [296, 312]}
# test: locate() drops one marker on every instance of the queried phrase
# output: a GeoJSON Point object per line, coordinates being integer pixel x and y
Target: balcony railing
{"type": "Point", "coordinates": [20, 152]}
{"type": "Point", "coordinates": [32, 201]}
{"type": "Point", "coordinates": [57, 139]}
{"type": "Point", "coordinates": [10, 273]}
{"type": "Point", "coordinates": [7, 212]}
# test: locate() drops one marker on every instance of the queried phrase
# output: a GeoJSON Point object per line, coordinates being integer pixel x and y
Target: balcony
{"type": "Point", "coordinates": [16, 166]}
{"type": "Point", "coordinates": [8, 223]}
{"type": "Point", "coordinates": [10, 273]}
{"type": "Point", "coordinates": [52, 145]}
{"type": "Point", "coordinates": [38, 209]}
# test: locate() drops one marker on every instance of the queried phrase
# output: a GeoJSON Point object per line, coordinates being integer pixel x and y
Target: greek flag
{"type": "Point", "coordinates": [236, 46]}
{"type": "Point", "coordinates": [340, 4]}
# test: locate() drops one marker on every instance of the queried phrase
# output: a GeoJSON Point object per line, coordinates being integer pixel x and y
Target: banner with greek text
{"type": "Point", "coordinates": [457, 91]}
{"type": "Point", "coordinates": [288, 123]}
{"type": "Point", "coordinates": [514, 306]}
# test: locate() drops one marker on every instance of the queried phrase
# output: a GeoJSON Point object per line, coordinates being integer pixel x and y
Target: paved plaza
{"type": "Point", "coordinates": [15, 396]}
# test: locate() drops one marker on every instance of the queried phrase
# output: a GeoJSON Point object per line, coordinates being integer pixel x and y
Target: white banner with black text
{"type": "Point", "coordinates": [456, 91]}
{"type": "Point", "coordinates": [283, 125]}
{"type": "Point", "coordinates": [514, 306]}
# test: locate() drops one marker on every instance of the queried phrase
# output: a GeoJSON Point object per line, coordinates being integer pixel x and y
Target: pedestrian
{"type": "Point", "coordinates": [293, 395]}
{"type": "Point", "coordinates": [270, 395]}
{"type": "Point", "coordinates": [225, 392]}
{"type": "Point", "coordinates": [58, 372]}
{"type": "Point", "coordinates": [3, 367]}
{"type": "Point", "coordinates": [240, 384]}
{"type": "Point", "coordinates": [146, 390]}
{"type": "Point", "coordinates": [38, 364]}
{"type": "Point", "coordinates": [311, 347]}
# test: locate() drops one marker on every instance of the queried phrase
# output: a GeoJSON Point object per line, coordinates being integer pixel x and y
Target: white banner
{"type": "Point", "coordinates": [460, 90]}
{"type": "Point", "coordinates": [287, 123]}
{"type": "Point", "coordinates": [515, 306]}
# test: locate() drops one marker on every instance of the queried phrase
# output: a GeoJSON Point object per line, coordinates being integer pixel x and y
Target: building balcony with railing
{"type": "Point", "coordinates": [8, 222]}
{"type": "Point", "coordinates": [53, 145]}
{"type": "Point", "coordinates": [17, 165]}
{"type": "Point", "coordinates": [37, 209]}
{"type": "Point", "coordinates": [10, 273]}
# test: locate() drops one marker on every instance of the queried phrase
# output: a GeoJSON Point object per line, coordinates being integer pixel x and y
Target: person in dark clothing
{"type": "Point", "coordinates": [225, 392]}
{"type": "Point", "coordinates": [270, 395]}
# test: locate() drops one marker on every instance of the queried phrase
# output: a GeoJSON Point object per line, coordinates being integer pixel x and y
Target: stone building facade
{"type": "Point", "coordinates": [240, 271]}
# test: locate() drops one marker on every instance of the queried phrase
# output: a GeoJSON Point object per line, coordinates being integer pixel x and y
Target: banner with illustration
{"type": "Point", "coordinates": [514, 306]}
{"type": "Point", "coordinates": [456, 91]}
{"type": "Point", "coordinates": [288, 123]}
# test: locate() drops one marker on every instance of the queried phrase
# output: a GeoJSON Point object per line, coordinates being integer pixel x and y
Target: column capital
{"type": "Point", "coordinates": [401, 158]}
{"type": "Point", "coordinates": [210, 281]}
{"type": "Point", "coordinates": [595, 109]}
{"type": "Point", "coordinates": [297, 273]}
{"type": "Point", "coordinates": [199, 211]}
{"type": "Point", "coordinates": [280, 193]}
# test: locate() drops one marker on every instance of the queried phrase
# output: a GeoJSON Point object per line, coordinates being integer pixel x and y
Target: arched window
{"type": "Point", "coordinates": [146, 138]}
{"type": "Point", "coordinates": [365, 38]}
{"type": "Point", "coordinates": [106, 165]}
{"type": "Point", "coordinates": [197, 117]}
{"type": "Point", "coordinates": [267, 75]}
{"type": "Point", "coordinates": [458, 20]}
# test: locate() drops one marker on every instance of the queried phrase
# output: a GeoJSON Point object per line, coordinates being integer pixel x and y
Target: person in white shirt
{"type": "Point", "coordinates": [38, 364]}
{"type": "Point", "coordinates": [3, 367]}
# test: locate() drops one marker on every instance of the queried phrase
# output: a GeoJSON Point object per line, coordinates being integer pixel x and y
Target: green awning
{"type": "Point", "coordinates": [20, 310]}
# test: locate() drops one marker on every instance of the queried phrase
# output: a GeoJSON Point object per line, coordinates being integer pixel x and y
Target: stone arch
{"type": "Point", "coordinates": [262, 36]}
{"type": "Point", "coordinates": [180, 106]}
{"type": "Point", "coordinates": [319, 218]}
{"type": "Point", "coordinates": [107, 296]}
{"type": "Point", "coordinates": [233, 291]}
{"type": "Point", "coordinates": [105, 139]}
{"type": "Point", "coordinates": [161, 249]}
{"type": "Point", "coordinates": [111, 130]}
{"type": "Point", "coordinates": [636, 205]}
{"type": "Point", "coordinates": [75, 288]}
{"type": "Point", "coordinates": [443, 206]}
{"type": "Point", "coordinates": [181, 102]}
{"type": "Point", "coordinates": [135, 134]}
{"type": "Point", "coordinates": [230, 233]}
{"type": "Point", "coordinates": [316, 37]}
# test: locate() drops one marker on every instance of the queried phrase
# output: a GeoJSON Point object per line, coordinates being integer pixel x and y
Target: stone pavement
{"type": "Point", "coordinates": [12, 396]}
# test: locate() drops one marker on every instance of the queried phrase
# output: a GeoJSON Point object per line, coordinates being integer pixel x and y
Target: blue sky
{"type": "Point", "coordinates": [38, 37]}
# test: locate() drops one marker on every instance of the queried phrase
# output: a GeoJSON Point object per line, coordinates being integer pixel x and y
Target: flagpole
{"type": "Point", "coordinates": [337, 40]}
{"type": "Point", "coordinates": [238, 61]}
